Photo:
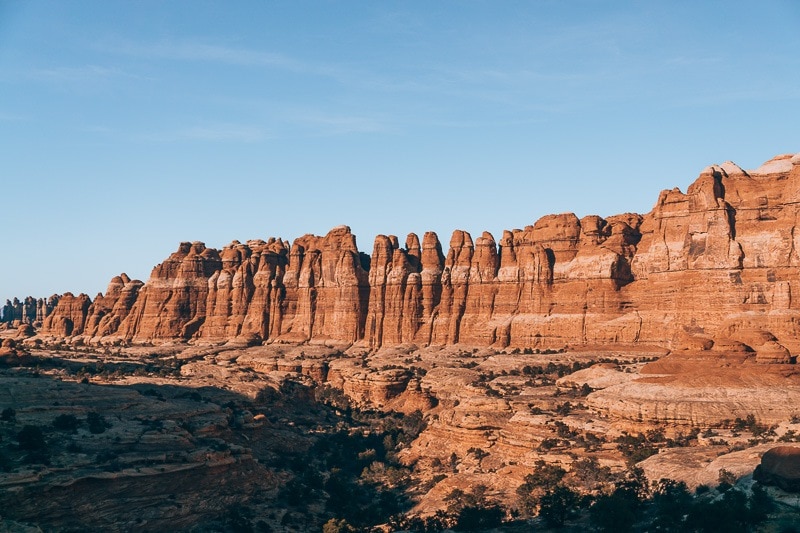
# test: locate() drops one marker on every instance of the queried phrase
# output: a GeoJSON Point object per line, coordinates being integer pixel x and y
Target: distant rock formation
{"type": "Point", "coordinates": [28, 311]}
{"type": "Point", "coordinates": [717, 265]}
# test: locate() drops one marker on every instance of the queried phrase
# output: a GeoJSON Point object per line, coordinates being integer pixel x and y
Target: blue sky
{"type": "Point", "coordinates": [127, 127]}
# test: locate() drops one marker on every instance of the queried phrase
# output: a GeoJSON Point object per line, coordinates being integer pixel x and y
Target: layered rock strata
{"type": "Point", "coordinates": [715, 266]}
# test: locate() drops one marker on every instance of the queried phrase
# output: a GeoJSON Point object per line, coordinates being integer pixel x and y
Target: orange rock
{"type": "Point", "coordinates": [69, 316]}
{"type": "Point", "coordinates": [701, 270]}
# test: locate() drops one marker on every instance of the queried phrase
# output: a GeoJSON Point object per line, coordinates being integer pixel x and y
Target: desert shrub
{"type": "Point", "coordinates": [548, 444]}
{"type": "Point", "coordinates": [701, 489]}
{"type": "Point", "coordinates": [412, 425]}
{"type": "Point", "coordinates": [452, 461]}
{"type": "Point", "coordinates": [761, 505]}
{"type": "Point", "coordinates": [474, 511]}
{"type": "Point", "coordinates": [5, 462]}
{"type": "Point", "coordinates": [670, 501]}
{"type": "Point", "coordinates": [151, 392]}
{"type": "Point", "coordinates": [66, 422]}
{"type": "Point", "coordinates": [727, 479]}
{"type": "Point", "coordinates": [749, 423]}
{"type": "Point", "coordinates": [477, 518]}
{"type": "Point", "coordinates": [109, 460]}
{"type": "Point", "coordinates": [564, 409]}
{"type": "Point", "coordinates": [478, 453]}
{"type": "Point", "coordinates": [731, 513]}
{"type": "Point", "coordinates": [589, 471]}
{"type": "Point", "coordinates": [97, 423]}
{"type": "Point", "coordinates": [31, 438]}
{"type": "Point", "coordinates": [558, 505]}
{"type": "Point", "coordinates": [332, 397]}
{"type": "Point", "coordinates": [635, 448]}
{"type": "Point", "coordinates": [545, 478]}
{"type": "Point", "coordinates": [564, 430]}
{"type": "Point", "coordinates": [191, 395]}
{"type": "Point", "coordinates": [613, 513]}
{"type": "Point", "coordinates": [237, 519]}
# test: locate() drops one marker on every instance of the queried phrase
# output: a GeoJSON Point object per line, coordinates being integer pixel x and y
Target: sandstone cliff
{"type": "Point", "coordinates": [715, 265]}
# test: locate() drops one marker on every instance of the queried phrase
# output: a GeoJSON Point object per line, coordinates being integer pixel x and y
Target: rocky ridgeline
{"type": "Point", "coordinates": [28, 311]}
{"type": "Point", "coordinates": [716, 266]}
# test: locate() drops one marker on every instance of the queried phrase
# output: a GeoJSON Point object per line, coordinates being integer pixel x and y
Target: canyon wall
{"type": "Point", "coordinates": [715, 266]}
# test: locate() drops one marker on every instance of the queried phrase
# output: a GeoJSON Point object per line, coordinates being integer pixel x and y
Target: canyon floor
{"type": "Point", "coordinates": [284, 437]}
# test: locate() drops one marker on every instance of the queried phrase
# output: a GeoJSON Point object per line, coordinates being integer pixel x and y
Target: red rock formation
{"type": "Point", "coordinates": [430, 282]}
{"type": "Point", "coordinates": [715, 266]}
{"type": "Point", "coordinates": [327, 289]}
{"type": "Point", "coordinates": [107, 312]}
{"type": "Point", "coordinates": [172, 303]}
{"type": "Point", "coordinates": [395, 308]}
{"type": "Point", "coordinates": [240, 295]}
{"type": "Point", "coordinates": [455, 280]}
{"type": "Point", "coordinates": [69, 316]}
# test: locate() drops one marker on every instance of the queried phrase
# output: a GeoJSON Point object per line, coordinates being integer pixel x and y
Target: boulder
{"type": "Point", "coordinates": [780, 466]}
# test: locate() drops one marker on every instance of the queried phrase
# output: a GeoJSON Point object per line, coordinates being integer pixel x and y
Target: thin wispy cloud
{"type": "Point", "coordinates": [689, 61]}
{"type": "Point", "coordinates": [85, 73]}
{"type": "Point", "coordinates": [194, 51]}
{"type": "Point", "coordinates": [213, 133]}
{"type": "Point", "coordinates": [96, 129]}
{"type": "Point", "coordinates": [441, 80]}
{"type": "Point", "coordinates": [420, 79]}
{"type": "Point", "coordinates": [739, 95]}
{"type": "Point", "coordinates": [325, 124]}
{"type": "Point", "coordinates": [199, 51]}
{"type": "Point", "coordinates": [501, 76]}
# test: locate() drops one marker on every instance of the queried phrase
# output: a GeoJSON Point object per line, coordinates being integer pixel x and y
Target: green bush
{"type": "Point", "coordinates": [476, 518]}
{"type": "Point", "coordinates": [8, 415]}
{"type": "Point", "coordinates": [558, 505]}
{"type": "Point", "coordinates": [5, 462]}
{"type": "Point", "coordinates": [31, 438]}
{"type": "Point", "coordinates": [66, 422]}
{"type": "Point", "coordinates": [97, 423]}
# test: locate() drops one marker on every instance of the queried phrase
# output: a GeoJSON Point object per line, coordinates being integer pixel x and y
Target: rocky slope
{"type": "Point", "coordinates": [717, 264]}
{"type": "Point", "coordinates": [190, 434]}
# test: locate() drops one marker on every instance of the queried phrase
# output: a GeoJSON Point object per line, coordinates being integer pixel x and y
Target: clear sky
{"type": "Point", "coordinates": [127, 127]}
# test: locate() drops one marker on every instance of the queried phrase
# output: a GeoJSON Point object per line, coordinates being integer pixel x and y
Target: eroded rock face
{"type": "Point", "coordinates": [395, 311]}
{"type": "Point", "coordinates": [69, 316]}
{"type": "Point", "coordinates": [697, 387]}
{"type": "Point", "coordinates": [240, 295]}
{"type": "Point", "coordinates": [717, 262]}
{"type": "Point", "coordinates": [107, 312]}
{"type": "Point", "coordinates": [172, 303]}
{"type": "Point", "coordinates": [326, 289]}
